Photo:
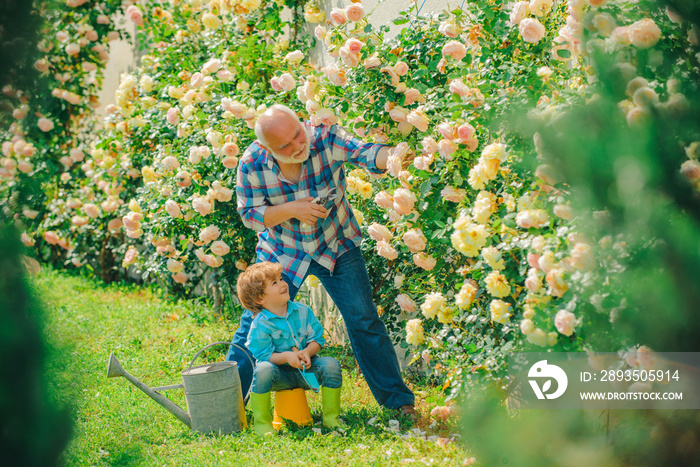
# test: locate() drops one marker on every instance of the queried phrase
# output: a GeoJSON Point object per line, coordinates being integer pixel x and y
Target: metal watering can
{"type": "Point", "coordinates": [213, 394]}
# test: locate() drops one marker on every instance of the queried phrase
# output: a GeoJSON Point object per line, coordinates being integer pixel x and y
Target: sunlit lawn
{"type": "Point", "coordinates": [116, 424]}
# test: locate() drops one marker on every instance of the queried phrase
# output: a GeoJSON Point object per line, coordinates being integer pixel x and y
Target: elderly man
{"type": "Point", "coordinates": [283, 178]}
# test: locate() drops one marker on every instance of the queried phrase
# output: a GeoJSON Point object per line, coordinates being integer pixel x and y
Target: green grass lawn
{"type": "Point", "coordinates": [116, 424]}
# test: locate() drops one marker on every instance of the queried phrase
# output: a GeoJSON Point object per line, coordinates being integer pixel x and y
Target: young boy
{"type": "Point", "coordinates": [284, 338]}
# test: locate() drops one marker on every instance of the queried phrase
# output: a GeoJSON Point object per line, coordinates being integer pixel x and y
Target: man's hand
{"type": "Point", "coordinates": [307, 211]}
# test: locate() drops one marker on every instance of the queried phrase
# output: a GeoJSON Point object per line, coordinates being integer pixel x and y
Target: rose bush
{"type": "Point", "coordinates": [474, 246]}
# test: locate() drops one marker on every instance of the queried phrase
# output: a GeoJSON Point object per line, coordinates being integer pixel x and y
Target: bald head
{"type": "Point", "coordinates": [269, 121]}
{"type": "Point", "coordinates": [280, 132]}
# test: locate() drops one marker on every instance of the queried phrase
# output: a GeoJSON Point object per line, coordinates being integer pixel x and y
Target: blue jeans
{"type": "Point", "coordinates": [270, 377]}
{"type": "Point", "coordinates": [350, 289]}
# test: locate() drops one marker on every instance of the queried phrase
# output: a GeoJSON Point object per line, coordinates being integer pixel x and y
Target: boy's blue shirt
{"type": "Point", "coordinates": [270, 333]}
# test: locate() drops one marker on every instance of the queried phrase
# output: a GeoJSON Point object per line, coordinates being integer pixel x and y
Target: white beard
{"type": "Point", "coordinates": [302, 156]}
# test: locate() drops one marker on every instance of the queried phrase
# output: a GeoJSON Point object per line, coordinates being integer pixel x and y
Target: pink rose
{"type": "Point", "coordinates": [404, 201]}
{"type": "Point", "coordinates": [564, 211]}
{"type": "Point", "coordinates": [401, 68]}
{"type": "Point", "coordinates": [582, 257]}
{"type": "Point", "coordinates": [412, 95]}
{"type": "Point", "coordinates": [531, 218]}
{"type": "Point", "coordinates": [231, 149]}
{"type": "Point", "coordinates": [691, 169]}
{"type": "Point", "coordinates": [335, 75]}
{"type": "Point", "coordinates": [320, 32]}
{"type": "Point", "coordinates": [447, 131]}
{"type": "Point", "coordinates": [76, 154]}
{"type": "Point", "coordinates": [230, 162]}
{"type": "Point", "coordinates": [103, 19]}
{"type": "Point", "coordinates": [224, 75]}
{"type": "Point", "coordinates": [415, 240]}
{"type": "Point", "coordinates": [172, 208]}
{"type": "Point", "coordinates": [392, 74]}
{"type": "Point", "coordinates": [209, 234]}
{"type": "Point", "coordinates": [405, 303]}
{"type": "Point", "coordinates": [275, 84]}
{"type": "Point", "coordinates": [471, 144]}
{"type": "Point", "coordinates": [398, 114]}
{"type": "Point", "coordinates": [531, 30]}
{"type": "Point", "coordinates": [448, 29]}
{"type": "Point", "coordinates": [456, 195]}
{"type": "Point", "coordinates": [519, 12]}
{"type": "Point", "coordinates": [220, 248]}
{"type": "Point", "coordinates": [72, 49]}
{"type": "Point", "coordinates": [51, 237]}
{"type": "Point", "coordinates": [556, 283]}
{"type": "Point", "coordinates": [79, 221]}
{"type": "Point", "coordinates": [386, 251]}
{"type": "Point", "coordinates": [174, 266]}
{"type": "Point", "coordinates": [446, 148]}
{"type": "Point", "coordinates": [354, 45]}
{"type": "Point", "coordinates": [384, 200]}
{"type": "Point", "coordinates": [547, 174]}
{"type": "Point", "coordinates": [465, 132]}
{"type": "Point", "coordinates": [378, 232]}
{"type": "Point", "coordinates": [422, 260]}
{"type": "Point", "coordinates": [349, 58]}
{"type": "Point", "coordinates": [196, 79]}
{"type": "Point", "coordinates": [372, 62]}
{"type": "Point", "coordinates": [212, 66]}
{"type": "Point", "coordinates": [338, 16]}
{"type": "Point", "coordinates": [135, 15]}
{"type": "Point", "coordinates": [533, 282]}
{"type": "Point", "coordinates": [132, 221]}
{"type": "Point", "coordinates": [220, 192]}
{"type": "Point", "coordinates": [354, 12]}
{"type": "Point", "coordinates": [45, 124]}
{"type": "Point", "coordinates": [180, 278]}
{"type": "Point", "coordinates": [42, 65]}
{"type": "Point", "coordinates": [533, 260]}
{"type": "Point", "coordinates": [114, 224]}
{"type": "Point", "coordinates": [173, 115]}
{"type": "Point", "coordinates": [454, 49]}
{"type": "Point", "coordinates": [183, 179]}
{"type": "Point", "coordinates": [287, 82]}
{"type": "Point", "coordinates": [429, 145]}
{"type": "Point", "coordinates": [418, 119]}
{"type": "Point", "coordinates": [458, 87]}
{"type": "Point", "coordinates": [202, 205]}
{"type": "Point", "coordinates": [91, 210]}
{"type": "Point", "coordinates": [644, 33]}
{"type": "Point", "coordinates": [565, 322]}
{"type": "Point", "coordinates": [423, 162]}
{"type": "Point", "coordinates": [130, 256]}
{"type": "Point", "coordinates": [326, 117]}
{"type": "Point", "coordinates": [27, 240]}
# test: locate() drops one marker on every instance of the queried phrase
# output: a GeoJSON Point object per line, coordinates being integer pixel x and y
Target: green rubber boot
{"type": "Point", "coordinates": [262, 418]}
{"type": "Point", "coordinates": [330, 401]}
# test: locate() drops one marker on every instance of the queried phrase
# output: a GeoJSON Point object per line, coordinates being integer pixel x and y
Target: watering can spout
{"type": "Point", "coordinates": [114, 369]}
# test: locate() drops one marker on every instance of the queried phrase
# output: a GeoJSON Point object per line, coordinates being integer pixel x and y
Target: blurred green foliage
{"type": "Point", "coordinates": [33, 431]}
{"type": "Point", "coordinates": [627, 177]}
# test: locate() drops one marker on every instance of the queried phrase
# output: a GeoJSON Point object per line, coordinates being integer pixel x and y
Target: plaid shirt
{"type": "Point", "coordinates": [270, 333]}
{"type": "Point", "coordinates": [292, 244]}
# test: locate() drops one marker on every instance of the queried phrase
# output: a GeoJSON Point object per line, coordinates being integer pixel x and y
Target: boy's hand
{"type": "Point", "coordinates": [294, 360]}
{"type": "Point", "coordinates": [305, 358]}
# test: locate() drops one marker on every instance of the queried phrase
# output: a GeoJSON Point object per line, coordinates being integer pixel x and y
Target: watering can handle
{"type": "Point", "coordinates": [245, 351]}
